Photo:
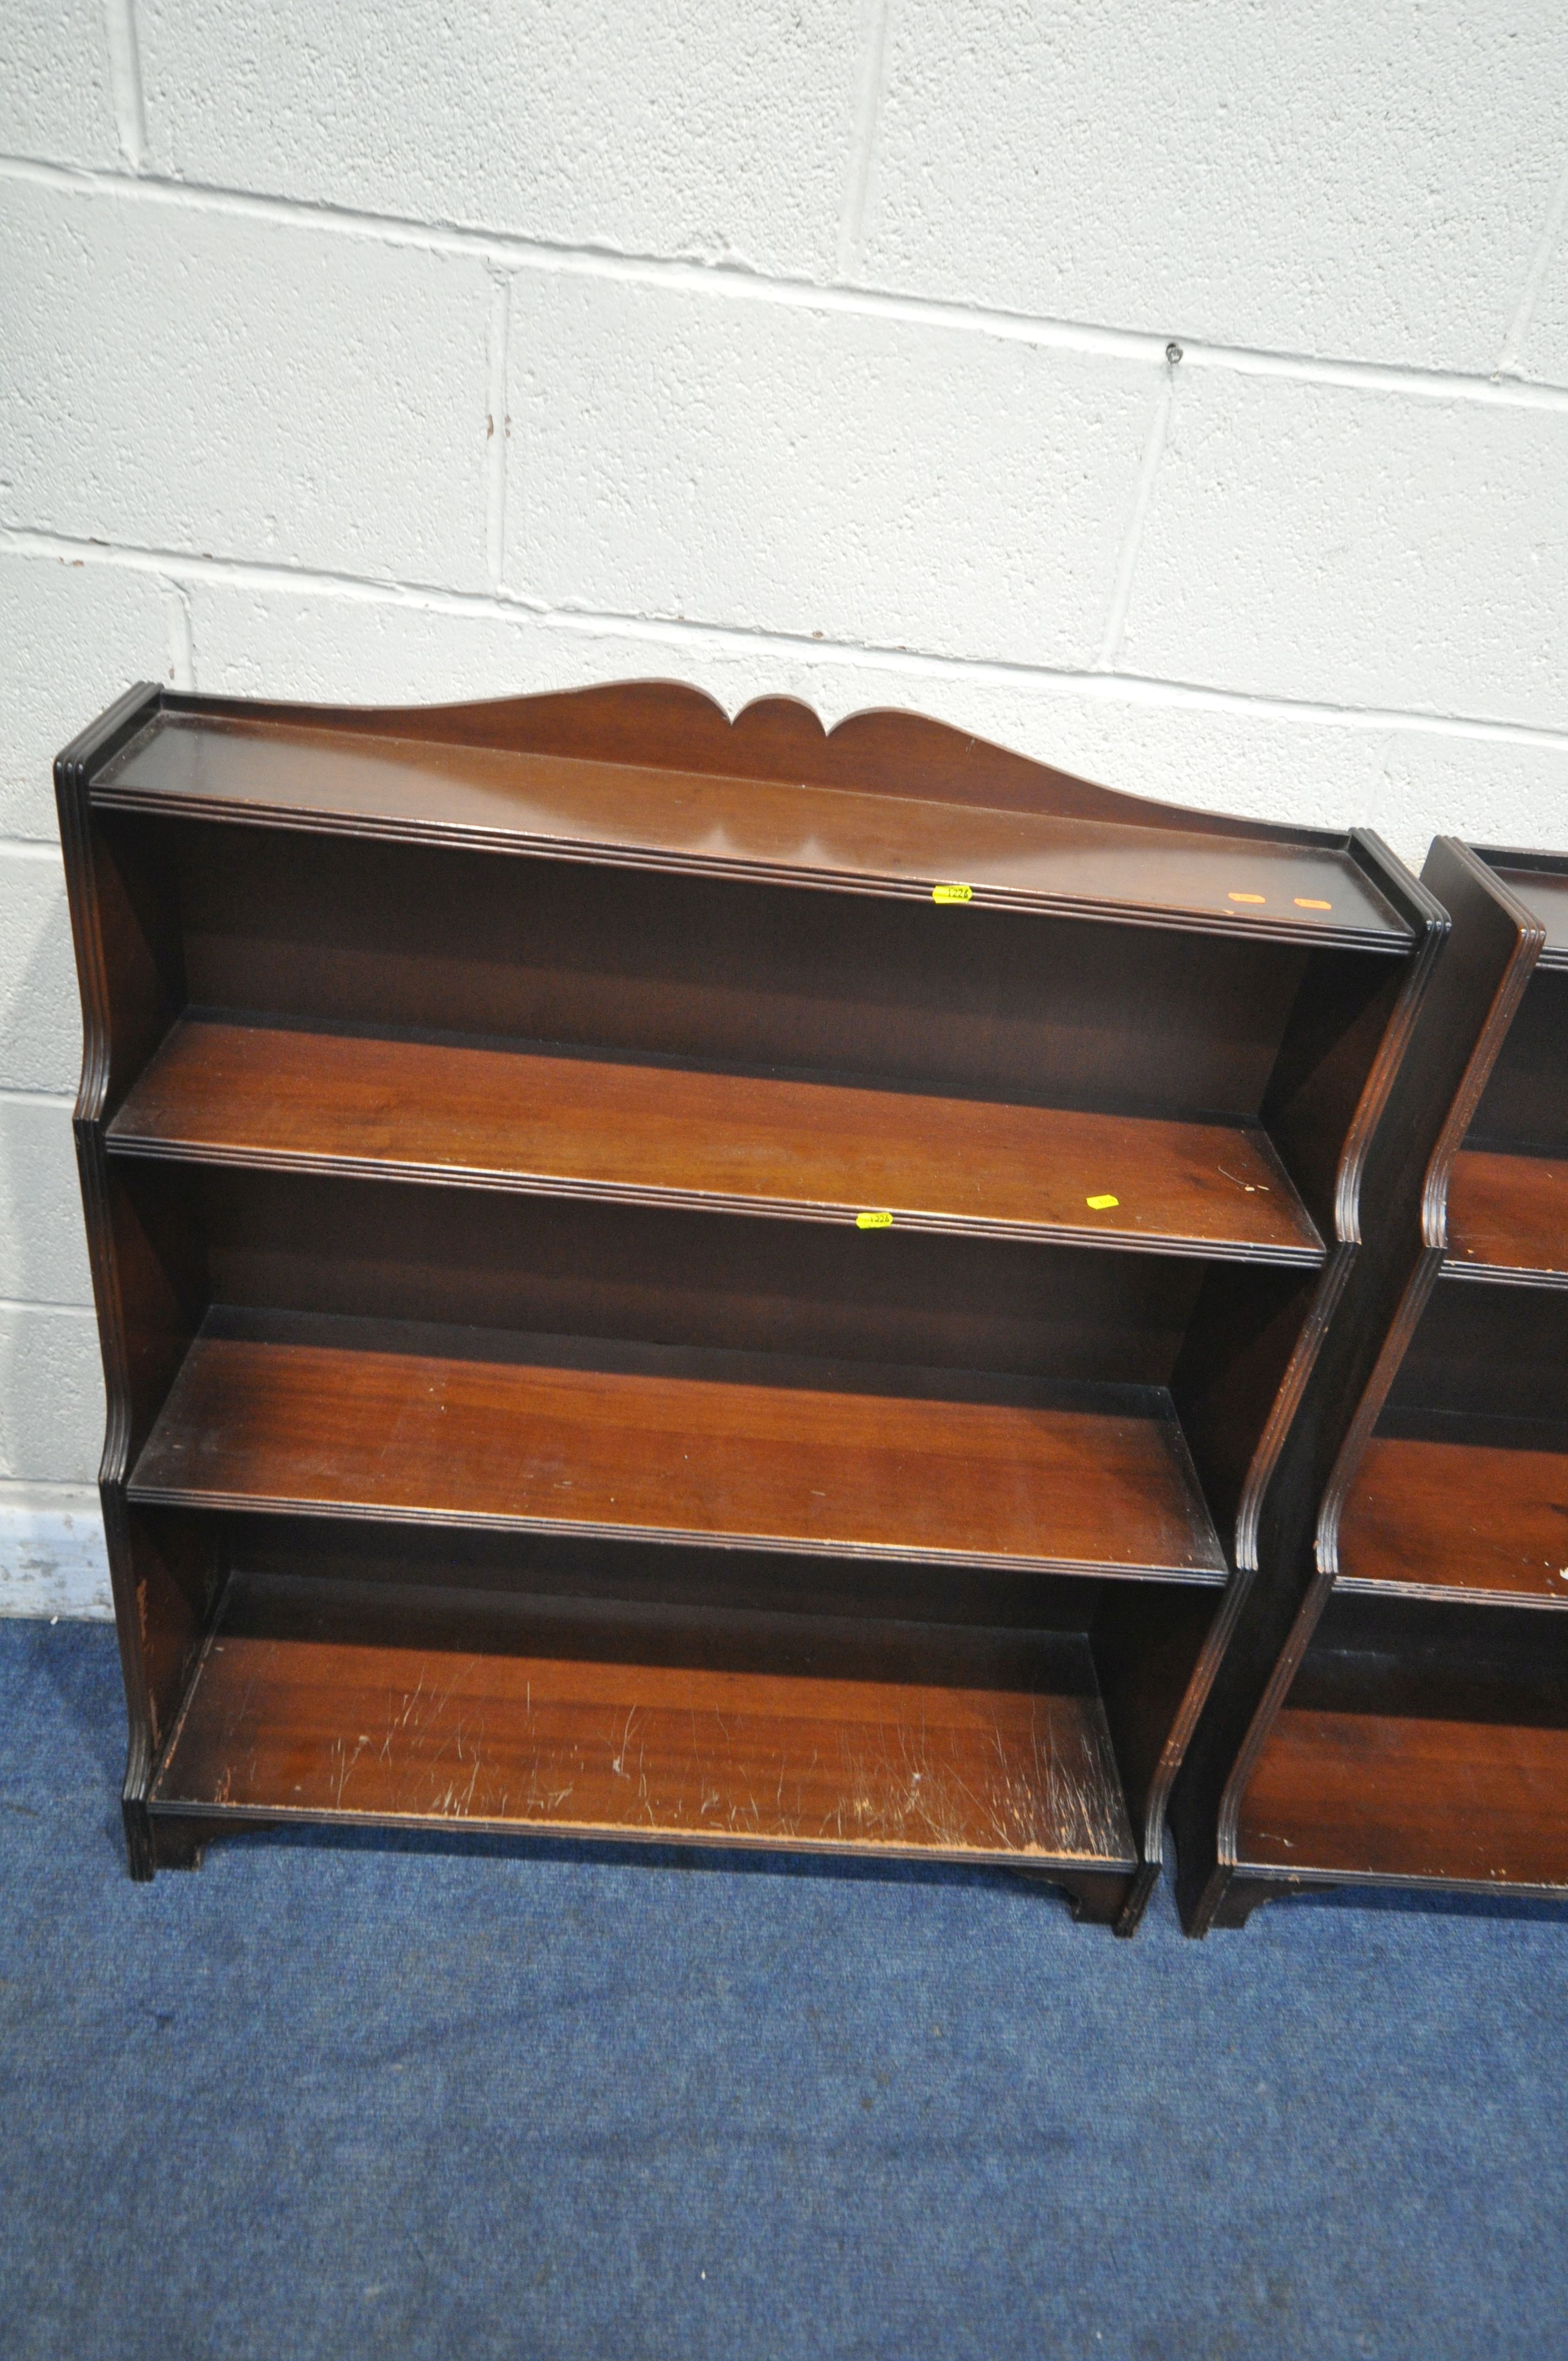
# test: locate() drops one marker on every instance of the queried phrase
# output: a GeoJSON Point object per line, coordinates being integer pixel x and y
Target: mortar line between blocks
{"type": "Point", "coordinates": [32, 1304]}
{"type": "Point", "coordinates": [868, 112]}
{"type": "Point", "coordinates": [124, 75]}
{"type": "Point", "coordinates": [182, 639]}
{"type": "Point", "coordinates": [62, 1101]}
{"type": "Point", "coordinates": [86, 1494]}
{"type": "Point", "coordinates": [1127, 566]}
{"type": "Point", "coordinates": [734, 638]}
{"type": "Point", "coordinates": [725, 283]}
{"type": "Point", "coordinates": [1535, 276]}
{"type": "Point", "coordinates": [498, 427]}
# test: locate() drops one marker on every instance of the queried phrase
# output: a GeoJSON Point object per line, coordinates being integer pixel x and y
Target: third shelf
{"type": "Point", "coordinates": [397, 1419]}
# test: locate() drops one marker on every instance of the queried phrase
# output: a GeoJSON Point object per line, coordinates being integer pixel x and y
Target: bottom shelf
{"type": "Point", "coordinates": [341, 1700]}
{"type": "Point", "coordinates": [1429, 1765]}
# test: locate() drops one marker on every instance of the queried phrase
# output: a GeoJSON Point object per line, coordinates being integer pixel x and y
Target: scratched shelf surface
{"type": "Point", "coordinates": [1458, 1519]}
{"type": "Point", "coordinates": [1507, 1217]}
{"type": "Point", "coordinates": [1401, 1795]}
{"type": "Point", "coordinates": [586, 1126]}
{"type": "Point", "coordinates": [297, 775]}
{"type": "Point", "coordinates": [327, 1700]}
{"type": "Point", "coordinates": [395, 1419]}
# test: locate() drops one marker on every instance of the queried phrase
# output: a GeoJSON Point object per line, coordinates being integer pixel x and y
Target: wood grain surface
{"type": "Point", "coordinates": [1543, 888]}
{"type": "Point", "coordinates": [1457, 1520]}
{"type": "Point", "coordinates": [329, 1700]}
{"type": "Point", "coordinates": [1395, 1795]}
{"type": "Point", "coordinates": [274, 1422]}
{"type": "Point", "coordinates": [291, 774]}
{"type": "Point", "coordinates": [1508, 1216]}
{"type": "Point", "coordinates": [319, 1101]}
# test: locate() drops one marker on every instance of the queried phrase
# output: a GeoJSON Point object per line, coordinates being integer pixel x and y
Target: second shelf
{"type": "Point", "coordinates": [653, 1134]}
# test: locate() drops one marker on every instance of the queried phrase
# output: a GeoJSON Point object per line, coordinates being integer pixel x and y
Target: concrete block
{"type": "Point", "coordinates": [1545, 354]}
{"type": "Point", "coordinates": [700, 128]}
{"type": "Point", "coordinates": [52, 1556]}
{"type": "Point", "coordinates": [1358, 177]}
{"type": "Point", "coordinates": [43, 1246]}
{"type": "Point", "coordinates": [182, 379]}
{"type": "Point", "coordinates": [1490, 792]}
{"type": "Point", "coordinates": [40, 1025]}
{"type": "Point", "coordinates": [75, 634]}
{"type": "Point", "coordinates": [56, 100]}
{"type": "Point", "coordinates": [1369, 549]}
{"type": "Point", "coordinates": [52, 1396]}
{"type": "Point", "coordinates": [785, 469]}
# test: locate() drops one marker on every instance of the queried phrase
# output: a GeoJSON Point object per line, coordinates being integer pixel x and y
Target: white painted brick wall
{"type": "Point", "coordinates": [1366, 178]}
{"type": "Point", "coordinates": [862, 480]}
{"type": "Point", "coordinates": [832, 340]}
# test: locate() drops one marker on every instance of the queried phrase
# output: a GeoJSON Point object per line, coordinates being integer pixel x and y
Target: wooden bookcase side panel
{"type": "Point", "coordinates": [1443, 1505]}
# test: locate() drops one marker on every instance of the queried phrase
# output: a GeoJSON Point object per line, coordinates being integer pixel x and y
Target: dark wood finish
{"type": "Point", "coordinates": [802, 1201]}
{"type": "Point", "coordinates": [1393, 1800]}
{"type": "Point", "coordinates": [1424, 1744]}
{"type": "Point", "coordinates": [1507, 1217]}
{"type": "Point", "coordinates": [315, 1102]}
{"type": "Point", "coordinates": [1439, 1519]}
{"type": "Point", "coordinates": [293, 773]}
{"type": "Point", "coordinates": [328, 1701]}
{"type": "Point", "coordinates": [641, 1445]}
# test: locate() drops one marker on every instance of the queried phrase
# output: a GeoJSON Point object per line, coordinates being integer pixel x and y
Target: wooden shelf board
{"type": "Point", "coordinates": [1392, 1797]}
{"type": "Point", "coordinates": [271, 772]}
{"type": "Point", "coordinates": [319, 1101]}
{"type": "Point", "coordinates": [392, 1421]}
{"type": "Point", "coordinates": [334, 1701]}
{"type": "Point", "coordinates": [1543, 889]}
{"type": "Point", "coordinates": [1457, 1520]}
{"type": "Point", "coordinates": [1508, 1218]}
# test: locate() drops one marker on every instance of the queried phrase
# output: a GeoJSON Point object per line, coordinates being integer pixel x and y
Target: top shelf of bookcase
{"type": "Point", "coordinates": [302, 774]}
{"type": "Point", "coordinates": [1539, 879]}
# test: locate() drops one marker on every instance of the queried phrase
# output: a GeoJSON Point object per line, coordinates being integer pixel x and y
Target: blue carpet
{"type": "Point", "coordinates": [336, 2098]}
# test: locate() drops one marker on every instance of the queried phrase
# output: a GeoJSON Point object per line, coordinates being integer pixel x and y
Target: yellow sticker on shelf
{"type": "Point", "coordinates": [1246, 897]}
{"type": "Point", "coordinates": [1101, 1204]}
{"type": "Point", "coordinates": [873, 1221]}
{"type": "Point", "coordinates": [1304, 903]}
{"type": "Point", "coordinates": [952, 892]}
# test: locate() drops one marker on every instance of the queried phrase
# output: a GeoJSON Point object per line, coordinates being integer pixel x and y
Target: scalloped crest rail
{"type": "Point", "coordinates": [710, 1282]}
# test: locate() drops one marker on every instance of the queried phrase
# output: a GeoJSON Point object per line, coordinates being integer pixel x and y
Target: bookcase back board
{"type": "Point", "coordinates": [1415, 1731]}
{"type": "Point", "coordinates": [705, 1281]}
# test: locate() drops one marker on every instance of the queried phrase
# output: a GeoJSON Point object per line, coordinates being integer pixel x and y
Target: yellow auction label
{"type": "Point", "coordinates": [952, 892]}
{"type": "Point", "coordinates": [873, 1221]}
{"type": "Point", "coordinates": [1101, 1204]}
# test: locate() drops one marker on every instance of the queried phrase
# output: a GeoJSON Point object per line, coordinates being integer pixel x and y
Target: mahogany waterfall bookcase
{"type": "Point", "coordinates": [708, 1283]}
{"type": "Point", "coordinates": [1414, 1730]}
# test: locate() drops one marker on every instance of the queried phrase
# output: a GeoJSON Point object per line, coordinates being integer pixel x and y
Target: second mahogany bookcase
{"type": "Point", "coordinates": [705, 1282]}
{"type": "Point", "coordinates": [1415, 1729]}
